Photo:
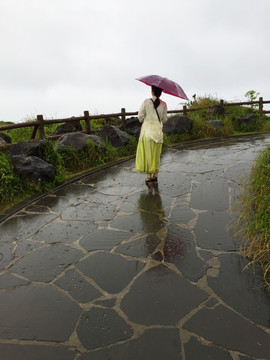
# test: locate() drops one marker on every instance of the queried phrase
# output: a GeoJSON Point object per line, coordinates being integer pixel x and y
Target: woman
{"type": "Point", "coordinates": [153, 113]}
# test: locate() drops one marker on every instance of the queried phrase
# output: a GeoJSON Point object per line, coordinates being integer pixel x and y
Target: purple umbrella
{"type": "Point", "coordinates": [168, 86]}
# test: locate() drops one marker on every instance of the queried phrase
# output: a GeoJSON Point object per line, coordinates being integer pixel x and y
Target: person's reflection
{"type": "Point", "coordinates": [152, 216]}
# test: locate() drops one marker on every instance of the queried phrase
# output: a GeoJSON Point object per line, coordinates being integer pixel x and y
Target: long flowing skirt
{"type": "Point", "coordinates": [148, 156]}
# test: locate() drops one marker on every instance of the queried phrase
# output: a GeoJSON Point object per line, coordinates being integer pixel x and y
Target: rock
{"type": "Point", "coordinates": [32, 168]}
{"type": "Point", "coordinates": [246, 120]}
{"type": "Point", "coordinates": [215, 110]}
{"type": "Point", "coordinates": [68, 127]}
{"type": "Point", "coordinates": [115, 136]}
{"type": "Point", "coordinates": [2, 142]}
{"type": "Point", "coordinates": [217, 124]}
{"type": "Point", "coordinates": [78, 141]}
{"type": "Point", "coordinates": [133, 127]}
{"type": "Point", "coordinates": [6, 138]}
{"type": "Point", "coordinates": [178, 124]}
{"type": "Point", "coordinates": [29, 148]}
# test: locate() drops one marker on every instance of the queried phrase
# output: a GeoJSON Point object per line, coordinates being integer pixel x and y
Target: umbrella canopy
{"type": "Point", "coordinates": [168, 86]}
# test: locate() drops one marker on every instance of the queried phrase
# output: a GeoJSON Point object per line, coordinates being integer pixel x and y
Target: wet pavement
{"type": "Point", "coordinates": [108, 268]}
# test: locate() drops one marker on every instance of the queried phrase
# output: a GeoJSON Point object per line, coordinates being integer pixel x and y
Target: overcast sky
{"type": "Point", "coordinates": [61, 57]}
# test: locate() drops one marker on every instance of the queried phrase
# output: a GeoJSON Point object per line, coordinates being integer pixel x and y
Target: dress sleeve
{"type": "Point", "coordinates": [164, 113]}
{"type": "Point", "coordinates": [142, 112]}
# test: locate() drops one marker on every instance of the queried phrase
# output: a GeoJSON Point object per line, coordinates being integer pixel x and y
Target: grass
{"type": "Point", "coordinates": [254, 220]}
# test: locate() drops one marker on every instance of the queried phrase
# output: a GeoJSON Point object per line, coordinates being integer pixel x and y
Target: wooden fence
{"type": "Point", "coordinates": [39, 124]}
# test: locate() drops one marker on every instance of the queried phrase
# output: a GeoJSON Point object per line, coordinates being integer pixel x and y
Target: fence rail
{"type": "Point", "coordinates": [39, 124]}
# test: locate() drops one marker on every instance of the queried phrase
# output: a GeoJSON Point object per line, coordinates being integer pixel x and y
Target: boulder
{"type": "Point", "coordinates": [217, 124]}
{"type": "Point", "coordinates": [2, 142]}
{"type": "Point", "coordinates": [178, 124]}
{"type": "Point", "coordinates": [246, 120]}
{"type": "Point", "coordinates": [216, 109]}
{"type": "Point", "coordinates": [6, 138]}
{"type": "Point", "coordinates": [114, 135]}
{"type": "Point", "coordinates": [32, 168]}
{"type": "Point", "coordinates": [29, 148]}
{"type": "Point", "coordinates": [68, 127]}
{"type": "Point", "coordinates": [78, 141]}
{"type": "Point", "coordinates": [133, 127]}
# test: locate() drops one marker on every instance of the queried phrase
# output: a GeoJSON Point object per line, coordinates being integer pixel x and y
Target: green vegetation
{"type": "Point", "coordinates": [254, 220]}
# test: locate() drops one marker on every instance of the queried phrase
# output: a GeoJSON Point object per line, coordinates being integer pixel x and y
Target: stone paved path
{"type": "Point", "coordinates": [107, 268]}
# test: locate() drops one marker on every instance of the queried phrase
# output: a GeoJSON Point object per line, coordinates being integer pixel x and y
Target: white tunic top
{"type": "Point", "coordinates": [152, 127]}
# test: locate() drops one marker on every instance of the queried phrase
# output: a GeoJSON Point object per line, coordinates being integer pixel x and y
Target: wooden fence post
{"type": "Point", "coordinates": [185, 110]}
{"type": "Point", "coordinates": [261, 106]}
{"type": "Point", "coordinates": [123, 117]}
{"type": "Point", "coordinates": [33, 135]}
{"type": "Point", "coordinates": [221, 103]}
{"type": "Point", "coordinates": [87, 122]}
{"type": "Point", "coordinates": [41, 126]}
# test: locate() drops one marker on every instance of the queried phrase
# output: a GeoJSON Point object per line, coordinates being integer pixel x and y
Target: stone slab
{"type": "Point", "coordinates": [37, 313]}
{"type": "Point", "coordinates": [90, 212]}
{"type": "Point", "coordinates": [103, 239]}
{"type": "Point", "coordinates": [225, 328]}
{"type": "Point", "coordinates": [8, 281]}
{"type": "Point", "coordinates": [195, 350]}
{"type": "Point", "coordinates": [101, 327]}
{"type": "Point", "coordinates": [111, 272]}
{"type": "Point", "coordinates": [139, 247]}
{"type": "Point", "coordinates": [159, 296]}
{"type": "Point", "coordinates": [158, 344]}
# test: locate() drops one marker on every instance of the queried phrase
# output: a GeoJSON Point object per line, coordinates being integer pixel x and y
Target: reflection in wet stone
{"type": "Point", "coordinates": [158, 344]}
{"type": "Point", "coordinates": [160, 297]}
{"type": "Point", "coordinates": [212, 231]}
{"type": "Point", "coordinates": [37, 313]}
{"type": "Point", "coordinates": [194, 349]}
{"type": "Point", "coordinates": [46, 263]}
{"type": "Point", "coordinates": [103, 239]}
{"type": "Point", "coordinates": [210, 195]}
{"type": "Point", "coordinates": [80, 289]}
{"type": "Point", "coordinates": [180, 250]}
{"type": "Point", "coordinates": [100, 327]}
{"type": "Point", "coordinates": [140, 247]}
{"type": "Point", "coordinates": [111, 272]}
{"type": "Point", "coordinates": [234, 284]}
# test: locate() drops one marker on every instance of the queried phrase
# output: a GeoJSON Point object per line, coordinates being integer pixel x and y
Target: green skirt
{"type": "Point", "coordinates": [148, 156]}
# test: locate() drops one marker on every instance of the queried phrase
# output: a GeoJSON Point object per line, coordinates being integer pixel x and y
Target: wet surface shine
{"type": "Point", "coordinates": [108, 268]}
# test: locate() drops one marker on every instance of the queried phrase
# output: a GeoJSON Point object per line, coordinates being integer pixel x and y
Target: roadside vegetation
{"type": "Point", "coordinates": [254, 220]}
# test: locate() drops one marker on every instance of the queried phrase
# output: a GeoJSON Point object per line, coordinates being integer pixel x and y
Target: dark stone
{"type": "Point", "coordinates": [6, 137]}
{"type": "Point", "coordinates": [182, 215]}
{"type": "Point", "coordinates": [216, 124]}
{"type": "Point", "coordinates": [233, 284]}
{"type": "Point", "coordinates": [29, 148]}
{"type": "Point", "coordinates": [230, 330]}
{"type": "Point", "coordinates": [195, 350]}
{"type": "Point", "coordinates": [246, 120]}
{"type": "Point", "coordinates": [158, 344]}
{"type": "Point", "coordinates": [101, 327]}
{"type": "Point", "coordinates": [32, 168]}
{"type": "Point", "coordinates": [216, 109]}
{"type": "Point", "coordinates": [111, 272]}
{"type": "Point", "coordinates": [178, 124]}
{"type": "Point", "coordinates": [76, 190]}
{"type": "Point", "coordinates": [64, 129]}
{"type": "Point", "coordinates": [180, 250]}
{"type": "Point", "coordinates": [159, 296]}
{"type": "Point", "coordinates": [37, 313]}
{"type": "Point", "coordinates": [80, 289]}
{"type": "Point", "coordinates": [113, 135]}
{"type": "Point", "coordinates": [103, 239]}
{"type": "Point", "coordinates": [157, 256]}
{"type": "Point", "coordinates": [64, 232]}
{"type": "Point", "coordinates": [212, 231]}
{"type": "Point", "coordinates": [212, 195]}
{"type": "Point", "coordinates": [8, 281]}
{"type": "Point", "coordinates": [90, 212]}
{"type": "Point", "coordinates": [35, 352]}
{"type": "Point", "coordinates": [78, 141]}
{"type": "Point", "coordinates": [106, 302]}
{"type": "Point", "coordinates": [6, 254]}
{"type": "Point", "coordinates": [2, 142]}
{"type": "Point", "coordinates": [25, 246]}
{"type": "Point", "coordinates": [44, 264]}
{"type": "Point", "coordinates": [139, 247]}
{"type": "Point", "coordinates": [133, 127]}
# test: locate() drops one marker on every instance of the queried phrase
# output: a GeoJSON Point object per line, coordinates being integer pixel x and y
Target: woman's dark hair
{"type": "Point", "coordinates": [157, 92]}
